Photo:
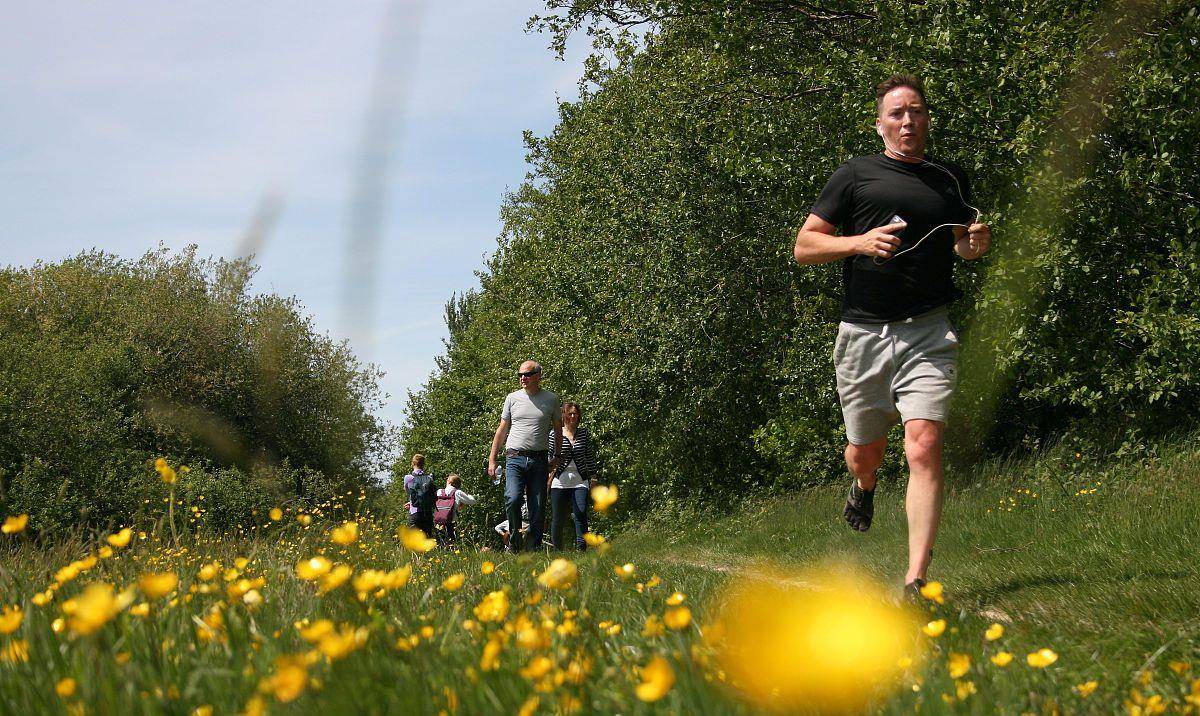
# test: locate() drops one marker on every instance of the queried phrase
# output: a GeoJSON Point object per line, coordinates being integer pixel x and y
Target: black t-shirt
{"type": "Point", "coordinates": [865, 193]}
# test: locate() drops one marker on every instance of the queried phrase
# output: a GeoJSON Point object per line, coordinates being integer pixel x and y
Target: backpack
{"type": "Point", "coordinates": [421, 492]}
{"type": "Point", "coordinates": [443, 512]}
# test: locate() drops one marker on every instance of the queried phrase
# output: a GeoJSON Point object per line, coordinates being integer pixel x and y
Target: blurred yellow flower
{"type": "Point", "coordinates": [490, 661]}
{"type": "Point", "coordinates": [1002, 658]}
{"type": "Point", "coordinates": [603, 497]}
{"type": "Point", "coordinates": [657, 680]}
{"type": "Point", "coordinates": [994, 632]}
{"type": "Point", "coordinates": [537, 667]}
{"type": "Point", "coordinates": [14, 524]}
{"type": "Point", "coordinates": [487, 568]}
{"type": "Point", "coordinates": [1086, 688]}
{"type": "Point", "coordinates": [105, 552]}
{"type": "Point", "coordinates": [158, 585]}
{"type": "Point", "coordinates": [305, 520]}
{"type": "Point", "coordinates": [275, 514]}
{"type": "Point", "coordinates": [592, 539]}
{"type": "Point", "coordinates": [626, 571]}
{"type": "Point", "coordinates": [209, 571]}
{"type": "Point", "coordinates": [957, 665]}
{"type": "Point", "coordinates": [426, 631]}
{"type": "Point", "coordinates": [653, 627]}
{"type": "Point", "coordinates": [834, 649]}
{"type": "Point", "coordinates": [415, 540]}
{"type": "Point", "coordinates": [310, 569]}
{"type": "Point", "coordinates": [252, 598]}
{"type": "Point", "coordinates": [964, 689]}
{"type": "Point", "coordinates": [677, 618]}
{"type": "Point", "coordinates": [397, 578]}
{"type": "Point", "coordinates": [493, 608]}
{"type": "Point", "coordinates": [653, 582]}
{"type": "Point", "coordinates": [346, 534]}
{"type": "Point", "coordinates": [165, 471]}
{"type": "Point", "coordinates": [1041, 658]}
{"type": "Point", "coordinates": [934, 628]}
{"type": "Point", "coordinates": [288, 680]}
{"type": "Point", "coordinates": [65, 688]}
{"type": "Point", "coordinates": [41, 599]}
{"type": "Point", "coordinates": [337, 645]}
{"type": "Point", "coordinates": [140, 610]}
{"type": "Point", "coordinates": [336, 577]}
{"type": "Point", "coordinates": [120, 538]}
{"type": "Point", "coordinates": [204, 710]}
{"type": "Point", "coordinates": [10, 619]}
{"type": "Point", "coordinates": [530, 707]}
{"type": "Point", "coordinates": [1179, 667]}
{"type": "Point", "coordinates": [94, 608]}
{"type": "Point", "coordinates": [560, 574]}
{"type": "Point", "coordinates": [676, 599]}
{"type": "Point", "coordinates": [933, 592]}
{"type": "Point", "coordinates": [15, 651]}
{"type": "Point", "coordinates": [368, 580]}
{"type": "Point", "coordinates": [312, 633]}
{"type": "Point", "coordinates": [454, 582]}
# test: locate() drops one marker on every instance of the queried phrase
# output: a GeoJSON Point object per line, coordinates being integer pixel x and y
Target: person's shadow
{"type": "Point", "coordinates": [989, 593]}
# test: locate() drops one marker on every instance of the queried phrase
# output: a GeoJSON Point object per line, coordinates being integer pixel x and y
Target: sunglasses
{"type": "Point", "coordinates": [528, 373]}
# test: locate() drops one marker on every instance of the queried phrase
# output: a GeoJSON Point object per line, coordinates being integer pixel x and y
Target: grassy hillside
{"type": "Point", "coordinates": [1097, 565]}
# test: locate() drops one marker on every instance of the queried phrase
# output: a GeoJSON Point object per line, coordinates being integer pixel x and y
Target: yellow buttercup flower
{"type": "Point", "coordinates": [934, 628]}
{"type": "Point", "coordinates": [603, 497]}
{"type": "Point", "coordinates": [252, 598]}
{"type": "Point", "coordinates": [530, 707]}
{"type": "Point", "coordinates": [487, 568]}
{"type": "Point", "coordinates": [493, 608]}
{"type": "Point", "coordinates": [310, 569]}
{"type": "Point", "coordinates": [14, 524]}
{"type": "Point", "coordinates": [933, 592]}
{"type": "Point", "coordinates": [454, 582]}
{"type": "Point", "coordinates": [1179, 667]}
{"type": "Point", "coordinates": [339, 575]}
{"type": "Point", "coordinates": [305, 520]}
{"type": "Point", "coordinates": [658, 678]}
{"type": "Point", "coordinates": [592, 539]}
{"type": "Point", "coordinates": [626, 571]}
{"type": "Point", "coordinates": [15, 651]}
{"type": "Point", "coordinates": [120, 538]}
{"type": "Point", "coordinates": [338, 644]}
{"type": "Point", "coordinates": [288, 680]}
{"type": "Point", "coordinates": [1086, 688]}
{"type": "Point", "coordinates": [964, 689]}
{"type": "Point", "coordinates": [831, 648]}
{"type": "Point", "coordinates": [653, 627]}
{"type": "Point", "coordinates": [105, 552]}
{"type": "Point", "coordinates": [1002, 658]}
{"type": "Point", "coordinates": [94, 608]}
{"type": "Point", "coordinates": [158, 585]}
{"type": "Point", "coordinates": [346, 534]}
{"type": "Point", "coordinates": [677, 618]}
{"type": "Point", "coordinates": [10, 619]}
{"type": "Point", "coordinates": [490, 661]}
{"type": "Point", "coordinates": [1041, 658]}
{"type": "Point", "coordinates": [165, 471]}
{"type": "Point", "coordinates": [957, 665]}
{"type": "Point", "coordinates": [537, 667]}
{"type": "Point", "coordinates": [397, 578]}
{"type": "Point", "coordinates": [275, 514]}
{"type": "Point", "coordinates": [65, 688]}
{"type": "Point", "coordinates": [561, 574]}
{"type": "Point", "coordinates": [313, 633]}
{"type": "Point", "coordinates": [140, 610]}
{"type": "Point", "coordinates": [676, 599]}
{"type": "Point", "coordinates": [994, 632]}
{"type": "Point", "coordinates": [415, 540]}
{"type": "Point", "coordinates": [209, 571]}
{"type": "Point", "coordinates": [368, 580]}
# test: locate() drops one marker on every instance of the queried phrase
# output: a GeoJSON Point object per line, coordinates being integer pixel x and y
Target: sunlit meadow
{"type": "Point", "coordinates": [306, 613]}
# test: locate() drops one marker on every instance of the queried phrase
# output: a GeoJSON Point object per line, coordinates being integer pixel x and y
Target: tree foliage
{"type": "Point", "coordinates": [646, 259]}
{"type": "Point", "coordinates": [107, 364]}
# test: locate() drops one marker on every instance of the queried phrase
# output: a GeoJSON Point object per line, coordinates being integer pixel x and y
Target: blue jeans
{"type": "Point", "coordinates": [574, 500]}
{"type": "Point", "coordinates": [525, 479]}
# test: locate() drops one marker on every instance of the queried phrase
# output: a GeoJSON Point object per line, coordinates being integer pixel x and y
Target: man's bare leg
{"type": "Point", "coordinates": [923, 503]}
{"type": "Point", "coordinates": [864, 461]}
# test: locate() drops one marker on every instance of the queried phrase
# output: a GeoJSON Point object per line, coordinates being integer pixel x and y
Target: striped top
{"type": "Point", "coordinates": [582, 452]}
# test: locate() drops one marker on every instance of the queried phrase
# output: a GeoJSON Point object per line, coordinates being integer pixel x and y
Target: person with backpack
{"type": "Point", "coordinates": [421, 496]}
{"type": "Point", "coordinates": [446, 506]}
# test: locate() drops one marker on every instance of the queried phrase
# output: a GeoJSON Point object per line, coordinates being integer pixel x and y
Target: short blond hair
{"type": "Point", "coordinates": [454, 480]}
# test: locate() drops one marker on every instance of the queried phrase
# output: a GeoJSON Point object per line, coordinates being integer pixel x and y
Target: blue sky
{"type": "Point", "coordinates": [130, 124]}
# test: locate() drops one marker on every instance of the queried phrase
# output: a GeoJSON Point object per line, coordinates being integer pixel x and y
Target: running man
{"type": "Point", "coordinates": [524, 427]}
{"type": "Point", "coordinates": [899, 215]}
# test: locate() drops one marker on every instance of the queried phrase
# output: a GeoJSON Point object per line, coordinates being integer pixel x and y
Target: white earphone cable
{"type": "Point", "coordinates": [958, 190]}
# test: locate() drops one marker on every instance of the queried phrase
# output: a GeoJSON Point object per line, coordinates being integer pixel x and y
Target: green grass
{"type": "Point", "coordinates": [1108, 580]}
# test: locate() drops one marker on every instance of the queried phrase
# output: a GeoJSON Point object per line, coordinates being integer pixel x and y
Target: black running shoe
{"type": "Point", "coordinates": [912, 592]}
{"type": "Point", "coordinates": [860, 507]}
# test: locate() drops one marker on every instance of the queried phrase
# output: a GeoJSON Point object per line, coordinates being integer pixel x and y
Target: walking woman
{"type": "Point", "coordinates": [575, 467]}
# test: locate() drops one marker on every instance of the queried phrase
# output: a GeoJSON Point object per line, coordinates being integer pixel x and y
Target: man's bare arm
{"type": "Point", "coordinates": [974, 242]}
{"type": "Point", "coordinates": [816, 242]}
{"type": "Point", "coordinates": [497, 439]}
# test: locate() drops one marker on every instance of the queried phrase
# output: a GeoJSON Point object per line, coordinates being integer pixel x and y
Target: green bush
{"type": "Point", "coordinates": [107, 364]}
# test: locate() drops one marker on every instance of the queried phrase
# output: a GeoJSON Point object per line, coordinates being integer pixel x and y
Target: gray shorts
{"type": "Point", "coordinates": [903, 370]}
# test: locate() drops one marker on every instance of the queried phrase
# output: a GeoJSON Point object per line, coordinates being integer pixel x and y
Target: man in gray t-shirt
{"type": "Point", "coordinates": [525, 425]}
